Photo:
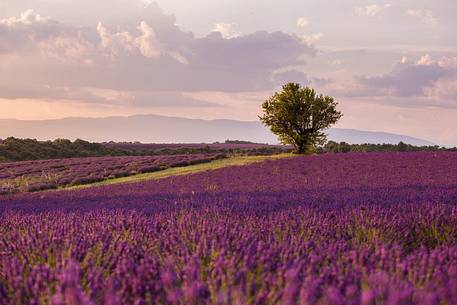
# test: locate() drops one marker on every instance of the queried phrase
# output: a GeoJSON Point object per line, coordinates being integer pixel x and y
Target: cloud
{"type": "Point", "coordinates": [424, 82]}
{"type": "Point", "coordinates": [169, 99]}
{"type": "Point", "coordinates": [115, 43]}
{"type": "Point", "coordinates": [291, 76]}
{"type": "Point", "coordinates": [320, 82]}
{"type": "Point", "coordinates": [371, 10]}
{"type": "Point", "coordinates": [67, 49]}
{"type": "Point", "coordinates": [244, 63]}
{"type": "Point", "coordinates": [312, 38]}
{"type": "Point", "coordinates": [146, 42]}
{"type": "Point", "coordinates": [425, 15]}
{"type": "Point", "coordinates": [48, 59]}
{"type": "Point", "coordinates": [27, 30]}
{"type": "Point", "coordinates": [409, 79]}
{"type": "Point", "coordinates": [227, 30]}
{"type": "Point", "coordinates": [32, 35]}
{"type": "Point", "coordinates": [302, 22]}
{"type": "Point", "coordinates": [28, 17]}
{"type": "Point", "coordinates": [444, 89]}
{"type": "Point", "coordinates": [104, 96]}
{"type": "Point", "coordinates": [420, 82]}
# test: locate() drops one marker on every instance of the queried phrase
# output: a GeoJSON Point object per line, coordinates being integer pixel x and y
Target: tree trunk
{"type": "Point", "coordinates": [304, 148]}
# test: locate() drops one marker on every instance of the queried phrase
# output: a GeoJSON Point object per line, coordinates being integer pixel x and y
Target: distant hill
{"type": "Point", "coordinates": [354, 136]}
{"type": "Point", "coordinates": [161, 129]}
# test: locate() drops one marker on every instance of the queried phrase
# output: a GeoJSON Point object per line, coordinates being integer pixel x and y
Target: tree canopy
{"type": "Point", "coordinates": [299, 116]}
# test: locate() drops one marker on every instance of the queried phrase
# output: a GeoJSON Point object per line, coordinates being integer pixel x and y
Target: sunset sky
{"type": "Point", "coordinates": [392, 65]}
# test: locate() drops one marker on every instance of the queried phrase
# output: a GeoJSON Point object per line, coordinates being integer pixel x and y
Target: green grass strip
{"type": "Point", "coordinates": [186, 170]}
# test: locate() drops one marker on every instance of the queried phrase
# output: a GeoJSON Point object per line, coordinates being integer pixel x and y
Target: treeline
{"type": "Point", "coordinates": [138, 149]}
{"type": "Point", "coordinates": [344, 147]}
{"type": "Point", "coordinates": [14, 149]}
{"type": "Point", "coordinates": [238, 142]}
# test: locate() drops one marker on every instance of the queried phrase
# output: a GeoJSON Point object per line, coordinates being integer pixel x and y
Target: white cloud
{"type": "Point", "coordinates": [425, 60]}
{"type": "Point", "coordinates": [32, 33]}
{"type": "Point", "coordinates": [424, 78]}
{"type": "Point", "coordinates": [425, 15]}
{"type": "Point", "coordinates": [26, 31]}
{"type": "Point", "coordinates": [448, 62]}
{"type": "Point", "coordinates": [313, 38]}
{"type": "Point", "coordinates": [444, 89]}
{"type": "Point", "coordinates": [444, 62]}
{"type": "Point", "coordinates": [147, 2]}
{"type": "Point", "coordinates": [67, 49]}
{"type": "Point", "coordinates": [115, 43]}
{"type": "Point", "coordinates": [28, 17]}
{"type": "Point", "coordinates": [371, 10]}
{"type": "Point", "coordinates": [46, 59]}
{"type": "Point", "coordinates": [147, 43]}
{"type": "Point", "coordinates": [227, 30]}
{"type": "Point", "coordinates": [424, 81]}
{"type": "Point", "coordinates": [179, 57]}
{"type": "Point", "coordinates": [302, 22]}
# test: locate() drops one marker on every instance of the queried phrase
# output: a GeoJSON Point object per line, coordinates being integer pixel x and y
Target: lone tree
{"type": "Point", "coordinates": [298, 116]}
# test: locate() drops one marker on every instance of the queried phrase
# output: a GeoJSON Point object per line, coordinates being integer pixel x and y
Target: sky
{"type": "Point", "coordinates": [391, 65]}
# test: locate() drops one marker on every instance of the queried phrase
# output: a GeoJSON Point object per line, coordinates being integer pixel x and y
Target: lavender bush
{"type": "Point", "coordinates": [29, 176]}
{"type": "Point", "coordinates": [329, 229]}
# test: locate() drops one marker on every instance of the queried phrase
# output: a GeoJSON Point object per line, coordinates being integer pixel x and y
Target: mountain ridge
{"type": "Point", "coordinates": [149, 128]}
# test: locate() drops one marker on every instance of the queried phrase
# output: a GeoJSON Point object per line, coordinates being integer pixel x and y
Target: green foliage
{"type": "Point", "coordinates": [344, 147]}
{"type": "Point", "coordinates": [298, 116]}
{"type": "Point", "coordinates": [238, 142]}
{"type": "Point", "coordinates": [236, 151]}
{"type": "Point", "coordinates": [13, 149]}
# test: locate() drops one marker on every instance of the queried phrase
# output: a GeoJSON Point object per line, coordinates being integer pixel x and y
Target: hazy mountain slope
{"type": "Point", "coordinates": [160, 129]}
{"type": "Point", "coordinates": [354, 136]}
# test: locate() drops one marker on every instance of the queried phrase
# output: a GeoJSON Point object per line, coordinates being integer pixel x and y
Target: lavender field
{"type": "Point", "coordinates": [30, 176]}
{"type": "Point", "coordinates": [378, 228]}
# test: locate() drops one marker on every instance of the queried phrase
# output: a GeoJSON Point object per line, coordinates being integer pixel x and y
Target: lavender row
{"type": "Point", "coordinates": [328, 229]}
{"type": "Point", "coordinates": [31, 176]}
